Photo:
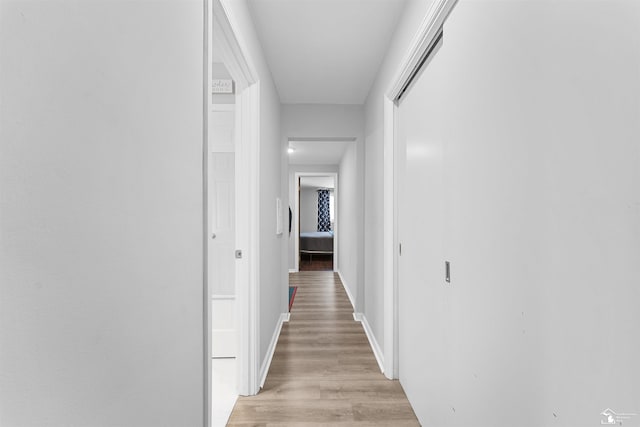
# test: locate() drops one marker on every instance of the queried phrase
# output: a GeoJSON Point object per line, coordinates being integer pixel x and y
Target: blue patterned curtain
{"type": "Point", "coordinates": [324, 218]}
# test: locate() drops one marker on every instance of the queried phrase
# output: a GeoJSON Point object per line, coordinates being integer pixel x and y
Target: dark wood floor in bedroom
{"type": "Point", "coordinates": [317, 262]}
{"type": "Point", "coordinates": [323, 371]}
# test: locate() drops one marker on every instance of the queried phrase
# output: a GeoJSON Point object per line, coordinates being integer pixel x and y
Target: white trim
{"type": "Point", "coordinates": [207, 100]}
{"type": "Point", "coordinates": [223, 297]}
{"type": "Point", "coordinates": [375, 347]}
{"type": "Point", "coordinates": [250, 312]}
{"type": "Point", "coordinates": [264, 369]}
{"type": "Point", "coordinates": [424, 38]}
{"type": "Point", "coordinates": [390, 241]}
{"type": "Point", "coordinates": [222, 26]}
{"type": "Point", "coordinates": [237, 62]}
{"type": "Point", "coordinates": [323, 139]}
{"type": "Point", "coordinates": [296, 219]}
{"type": "Point", "coordinates": [352, 300]}
{"type": "Point", "coordinates": [293, 270]}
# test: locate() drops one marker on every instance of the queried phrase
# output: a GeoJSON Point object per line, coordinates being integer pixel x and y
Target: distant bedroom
{"type": "Point", "coordinates": [316, 222]}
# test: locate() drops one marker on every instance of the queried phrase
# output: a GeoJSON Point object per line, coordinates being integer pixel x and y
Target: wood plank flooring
{"type": "Point", "coordinates": [323, 372]}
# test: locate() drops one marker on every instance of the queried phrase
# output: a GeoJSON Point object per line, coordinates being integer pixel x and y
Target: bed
{"type": "Point", "coordinates": [316, 242]}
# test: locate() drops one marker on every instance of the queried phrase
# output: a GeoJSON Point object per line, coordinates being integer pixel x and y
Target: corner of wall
{"type": "Point", "coordinates": [375, 347]}
{"type": "Point", "coordinates": [266, 363]}
{"type": "Point", "coordinates": [352, 300]}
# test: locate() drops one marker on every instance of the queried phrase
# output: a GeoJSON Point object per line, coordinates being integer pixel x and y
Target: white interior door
{"type": "Point", "coordinates": [222, 238]}
{"type": "Point", "coordinates": [422, 298]}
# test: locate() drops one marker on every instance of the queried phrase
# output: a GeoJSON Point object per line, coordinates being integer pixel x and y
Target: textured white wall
{"type": "Point", "coordinates": [101, 214]}
{"type": "Point", "coordinates": [530, 110]}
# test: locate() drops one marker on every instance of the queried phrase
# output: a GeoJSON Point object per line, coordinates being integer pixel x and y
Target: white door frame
{"type": "Point", "coordinates": [219, 19]}
{"type": "Point", "coordinates": [296, 222]}
{"type": "Point", "coordinates": [422, 42]}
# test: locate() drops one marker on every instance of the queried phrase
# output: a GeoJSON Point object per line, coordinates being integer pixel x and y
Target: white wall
{"type": "Point", "coordinates": [535, 108]}
{"type": "Point", "coordinates": [293, 169]}
{"type": "Point", "coordinates": [408, 25]}
{"type": "Point", "coordinates": [350, 252]}
{"type": "Point", "coordinates": [308, 210]}
{"type": "Point", "coordinates": [273, 272]}
{"type": "Point", "coordinates": [322, 121]}
{"type": "Point", "coordinates": [101, 214]}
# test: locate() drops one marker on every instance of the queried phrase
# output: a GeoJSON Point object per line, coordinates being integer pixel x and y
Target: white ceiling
{"type": "Point", "coordinates": [324, 51]}
{"type": "Point", "coordinates": [317, 182]}
{"type": "Point", "coordinates": [317, 152]}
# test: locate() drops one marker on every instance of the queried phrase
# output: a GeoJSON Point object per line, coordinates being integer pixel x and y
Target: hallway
{"type": "Point", "coordinates": [323, 370]}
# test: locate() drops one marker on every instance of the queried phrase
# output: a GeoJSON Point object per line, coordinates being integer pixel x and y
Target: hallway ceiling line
{"type": "Point", "coordinates": [325, 51]}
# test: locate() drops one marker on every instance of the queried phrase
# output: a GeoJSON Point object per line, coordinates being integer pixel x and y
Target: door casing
{"type": "Point", "coordinates": [296, 223]}
{"type": "Point", "coordinates": [421, 44]}
{"type": "Point", "coordinates": [221, 22]}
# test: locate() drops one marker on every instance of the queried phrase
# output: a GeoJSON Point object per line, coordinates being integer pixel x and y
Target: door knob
{"type": "Point", "coordinates": [213, 236]}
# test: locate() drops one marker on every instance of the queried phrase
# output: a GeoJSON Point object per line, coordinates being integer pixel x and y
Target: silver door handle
{"type": "Point", "coordinates": [213, 236]}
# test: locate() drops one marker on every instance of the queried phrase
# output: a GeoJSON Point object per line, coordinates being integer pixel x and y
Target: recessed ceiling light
{"type": "Point", "coordinates": [290, 150]}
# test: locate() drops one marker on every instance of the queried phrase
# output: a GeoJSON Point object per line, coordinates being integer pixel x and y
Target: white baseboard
{"type": "Point", "coordinates": [375, 347]}
{"type": "Point", "coordinates": [346, 289]}
{"type": "Point", "coordinates": [293, 270]}
{"type": "Point", "coordinates": [266, 363]}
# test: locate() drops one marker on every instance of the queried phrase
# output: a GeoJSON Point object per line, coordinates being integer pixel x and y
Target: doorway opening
{"type": "Point", "coordinates": [230, 220]}
{"type": "Point", "coordinates": [314, 163]}
{"type": "Point", "coordinates": [317, 236]}
{"type": "Point", "coordinates": [314, 245]}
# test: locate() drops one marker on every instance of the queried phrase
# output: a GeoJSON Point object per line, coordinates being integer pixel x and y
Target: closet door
{"type": "Point", "coordinates": [423, 296]}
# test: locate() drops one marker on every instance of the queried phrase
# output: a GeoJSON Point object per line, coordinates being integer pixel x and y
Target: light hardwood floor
{"type": "Point", "coordinates": [323, 371]}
